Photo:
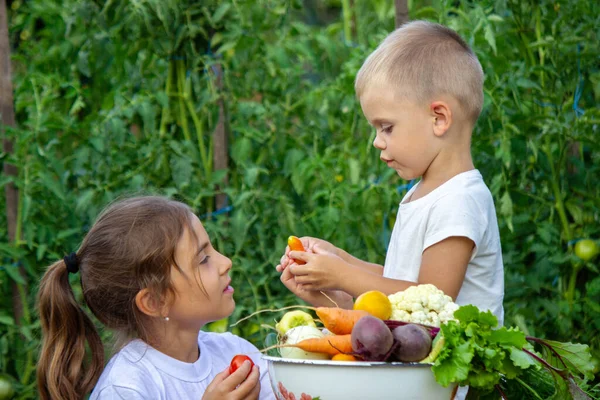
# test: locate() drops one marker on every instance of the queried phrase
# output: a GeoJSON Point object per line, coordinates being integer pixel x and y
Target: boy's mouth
{"type": "Point", "coordinates": [385, 160]}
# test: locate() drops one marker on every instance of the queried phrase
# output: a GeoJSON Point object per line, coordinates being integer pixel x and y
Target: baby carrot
{"type": "Point", "coordinates": [330, 344]}
{"type": "Point", "coordinates": [338, 320]}
{"type": "Point", "coordinates": [296, 245]}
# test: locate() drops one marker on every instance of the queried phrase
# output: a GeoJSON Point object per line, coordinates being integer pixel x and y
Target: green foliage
{"type": "Point", "coordinates": [120, 98]}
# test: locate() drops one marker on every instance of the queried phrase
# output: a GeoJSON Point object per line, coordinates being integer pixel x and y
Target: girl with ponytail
{"type": "Point", "coordinates": [150, 274]}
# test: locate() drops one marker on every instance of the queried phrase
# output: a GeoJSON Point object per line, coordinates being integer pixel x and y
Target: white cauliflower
{"type": "Point", "coordinates": [423, 304]}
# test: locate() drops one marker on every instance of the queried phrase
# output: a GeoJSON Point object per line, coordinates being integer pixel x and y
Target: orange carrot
{"type": "Point", "coordinates": [338, 320]}
{"type": "Point", "coordinates": [295, 244]}
{"type": "Point", "coordinates": [330, 344]}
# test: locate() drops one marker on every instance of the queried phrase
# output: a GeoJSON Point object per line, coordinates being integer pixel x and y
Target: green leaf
{"type": "Point", "coordinates": [220, 13]}
{"type": "Point", "coordinates": [454, 367]}
{"type": "Point", "coordinates": [40, 251]}
{"type": "Point", "coordinates": [520, 358]}
{"type": "Point", "coordinates": [506, 209]}
{"type": "Point", "coordinates": [354, 169]}
{"type": "Point", "coordinates": [576, 356]}
{"type": "Point", "coordinates": [6, 319]}
{"type": "Point", "coordinates": [13, 271]}
{"type": "Point", "coordinates": [508, 337]}
{"type": "Point", "coordinates": [470, 313]}
{"type": "Point", "coordinates": [490, 36]}
{"type": "Point", "coordinates": [52, 184]}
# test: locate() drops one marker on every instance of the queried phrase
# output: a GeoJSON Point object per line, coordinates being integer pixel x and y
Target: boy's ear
{"type": "Point", "coordinates": [442, 117]}
{"type": "Point", "coordinates": [147, 303]}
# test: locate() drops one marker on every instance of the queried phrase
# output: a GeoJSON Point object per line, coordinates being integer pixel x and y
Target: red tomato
{"type": "Point", "coordinates": [237, 362]}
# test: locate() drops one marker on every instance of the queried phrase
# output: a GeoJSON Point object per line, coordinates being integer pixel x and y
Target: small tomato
{"type": "Point", "coordinates": [7, 389]}
{"type": "Point", "coordinates": [586, 249]}
{"type": "Point", "coordinates": [237, 362]}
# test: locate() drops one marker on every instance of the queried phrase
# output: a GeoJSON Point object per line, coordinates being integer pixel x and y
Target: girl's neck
{"type": "Point", "coordinates": [181, 345]}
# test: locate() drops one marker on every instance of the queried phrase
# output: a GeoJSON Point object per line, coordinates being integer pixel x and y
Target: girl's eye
{"type": "Point", "coordinates": [205, 260]}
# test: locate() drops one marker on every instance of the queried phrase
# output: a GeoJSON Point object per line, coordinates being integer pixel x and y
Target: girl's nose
{"type": "Point", "coordinates": [379, 143]}
{"type": "Point", "coordinates": [225, 264]}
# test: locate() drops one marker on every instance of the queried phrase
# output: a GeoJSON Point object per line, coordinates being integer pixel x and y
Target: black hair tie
{"type": "Point", "coordinates": [71, 263]}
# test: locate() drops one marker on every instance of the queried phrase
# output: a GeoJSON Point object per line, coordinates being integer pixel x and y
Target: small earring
{"type": "Point", "coordinates": [167, 319]}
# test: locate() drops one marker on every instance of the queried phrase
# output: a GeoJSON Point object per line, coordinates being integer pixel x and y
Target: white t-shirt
{"type": "Point", "coordinates": [139, 371]}
{"type": "Point", "coordinates": [462, 206]}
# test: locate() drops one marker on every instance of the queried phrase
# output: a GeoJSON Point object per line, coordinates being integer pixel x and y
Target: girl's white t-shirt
{"type": "Point", "coordinates": [139, 371]}
{"type": "Point", "coordinates": [462, 206]}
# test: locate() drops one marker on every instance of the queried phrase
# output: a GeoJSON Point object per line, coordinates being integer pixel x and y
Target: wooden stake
{"type": "Point", "coordinates": [7, 119]}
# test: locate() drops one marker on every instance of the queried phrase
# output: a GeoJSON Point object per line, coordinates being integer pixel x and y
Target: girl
{"type": "Point", "coordinates": [149, 272]}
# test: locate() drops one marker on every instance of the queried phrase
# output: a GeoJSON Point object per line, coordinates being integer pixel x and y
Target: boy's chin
{"type": "Point", "coordinates": [404, 175]}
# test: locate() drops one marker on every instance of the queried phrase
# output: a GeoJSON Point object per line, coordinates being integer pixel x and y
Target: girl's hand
{"type": "Point", "coordinates": [235, 386]}
{"type": "Point", "coordinates": [322, 270]}
{"type": "Point", "coordinates": [309, 244]}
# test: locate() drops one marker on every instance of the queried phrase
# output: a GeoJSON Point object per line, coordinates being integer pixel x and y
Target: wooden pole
{"type": "Point", "coordinates": [401, 12]}
{"type": "Point", "coordinates": [220, 140]}
{"type": "Point", "coordinates": [7, 119]}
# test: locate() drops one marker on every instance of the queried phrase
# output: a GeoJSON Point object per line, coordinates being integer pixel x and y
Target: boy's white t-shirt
{"type": "Point", "coordinates": [139, 371]}
{"type": "Point", "coordinates": [462, 206]}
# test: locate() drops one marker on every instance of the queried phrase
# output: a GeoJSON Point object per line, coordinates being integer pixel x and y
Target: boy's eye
{"type": "Point", "coordinates": [386, 129]}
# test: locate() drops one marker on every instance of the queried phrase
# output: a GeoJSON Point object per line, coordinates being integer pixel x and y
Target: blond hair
{"type": "Point", "coordinates": [423, 60]}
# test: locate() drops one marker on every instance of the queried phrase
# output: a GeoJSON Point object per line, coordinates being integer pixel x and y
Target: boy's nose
{"type": "Point", "coordinates": [379, 143]}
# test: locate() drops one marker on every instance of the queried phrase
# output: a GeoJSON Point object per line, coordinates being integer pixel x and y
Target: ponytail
{"type": "Point", "coordinates": [64, 372]}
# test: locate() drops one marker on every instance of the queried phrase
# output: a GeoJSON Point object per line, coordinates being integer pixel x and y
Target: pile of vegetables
{"type": "Point", "coordinates": [464, 345]}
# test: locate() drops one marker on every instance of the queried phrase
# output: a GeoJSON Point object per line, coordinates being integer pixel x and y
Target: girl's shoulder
{"type": "Point", "coordinates": [128, 371]}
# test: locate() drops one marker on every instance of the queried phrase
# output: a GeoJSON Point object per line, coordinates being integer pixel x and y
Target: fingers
{"type": "Point", "coordinates": [237, 377]}
{"type": "Point", "coordinates": [298, 270]}
{"type": "Point", "coordinates": [300, 255]}
{"type": "Point", "coordinates": [245, 389]}
{"type": "Point", "coordinates": [255, 393]}
{"type": "Point", "coordinates": [220, 377]}
{"type": "Point", "coordinates": [317, 249]}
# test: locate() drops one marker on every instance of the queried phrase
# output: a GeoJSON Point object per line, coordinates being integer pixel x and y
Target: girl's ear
{"type": "Point", "coordinates": [147, 303]}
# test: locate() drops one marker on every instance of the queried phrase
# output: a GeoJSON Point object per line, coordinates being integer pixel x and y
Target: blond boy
{"type": "Point", "coordinates": [422, 90]}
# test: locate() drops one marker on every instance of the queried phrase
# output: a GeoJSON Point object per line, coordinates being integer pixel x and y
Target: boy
{"type": "Point", "coordinates": [422, 90]}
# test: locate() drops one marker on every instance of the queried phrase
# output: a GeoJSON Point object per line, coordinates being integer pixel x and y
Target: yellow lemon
{"type": "Point", "coordinates": [374, 302]}
{"type": "Point", "coordinates": [343, 357]}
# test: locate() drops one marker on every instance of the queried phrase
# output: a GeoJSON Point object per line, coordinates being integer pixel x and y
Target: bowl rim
{"type": "Point", "coordinates": [282, 360]}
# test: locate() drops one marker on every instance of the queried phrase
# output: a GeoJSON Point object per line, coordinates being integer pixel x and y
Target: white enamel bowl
{"type": "Point", "coordinates": [349, 380]}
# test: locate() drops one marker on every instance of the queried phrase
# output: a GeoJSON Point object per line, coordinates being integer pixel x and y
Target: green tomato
{"type": "Point", "coordinates": [586, 249]}
{"type": "Point", "coordinates": [7, 389]}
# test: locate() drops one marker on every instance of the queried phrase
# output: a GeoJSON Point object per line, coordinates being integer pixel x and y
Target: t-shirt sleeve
{"type": "Point", "coordinates": [455, 215]}
{"type": "Point", "coordinates": [247, 348]}
{"type": "Point", "coordinates": [114, 392]}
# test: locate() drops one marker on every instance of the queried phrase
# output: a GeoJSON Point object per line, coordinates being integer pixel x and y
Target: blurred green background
{"type": "Point", "coordinates": [115, 98]}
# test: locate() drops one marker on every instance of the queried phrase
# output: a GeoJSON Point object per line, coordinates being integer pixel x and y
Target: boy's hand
{"type": "Point", "coordinates": [323, 270]}
{"type": "Point", "coordinates": [309, 244]}
{"type": "Point", "coordinates": [329, 298]}
{"type": "Point", "coordinates": [235, 386]}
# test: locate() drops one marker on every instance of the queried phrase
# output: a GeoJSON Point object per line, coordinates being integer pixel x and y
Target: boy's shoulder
{"type": "Point", "coordinates": [463, 190]}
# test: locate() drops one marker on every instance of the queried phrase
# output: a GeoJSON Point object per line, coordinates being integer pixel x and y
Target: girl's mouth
{"type": "Point", "coordinates": [228, 289]}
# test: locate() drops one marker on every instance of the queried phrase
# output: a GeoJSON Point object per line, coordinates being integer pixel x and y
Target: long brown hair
{"type": "Point", "coordinates": [130, 247]}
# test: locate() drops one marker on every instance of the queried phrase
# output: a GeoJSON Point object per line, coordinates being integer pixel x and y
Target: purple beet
{"type": "Point", "coordinates": [371, 339]}
{"type": "Point", "coordinates": [413, 342]}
